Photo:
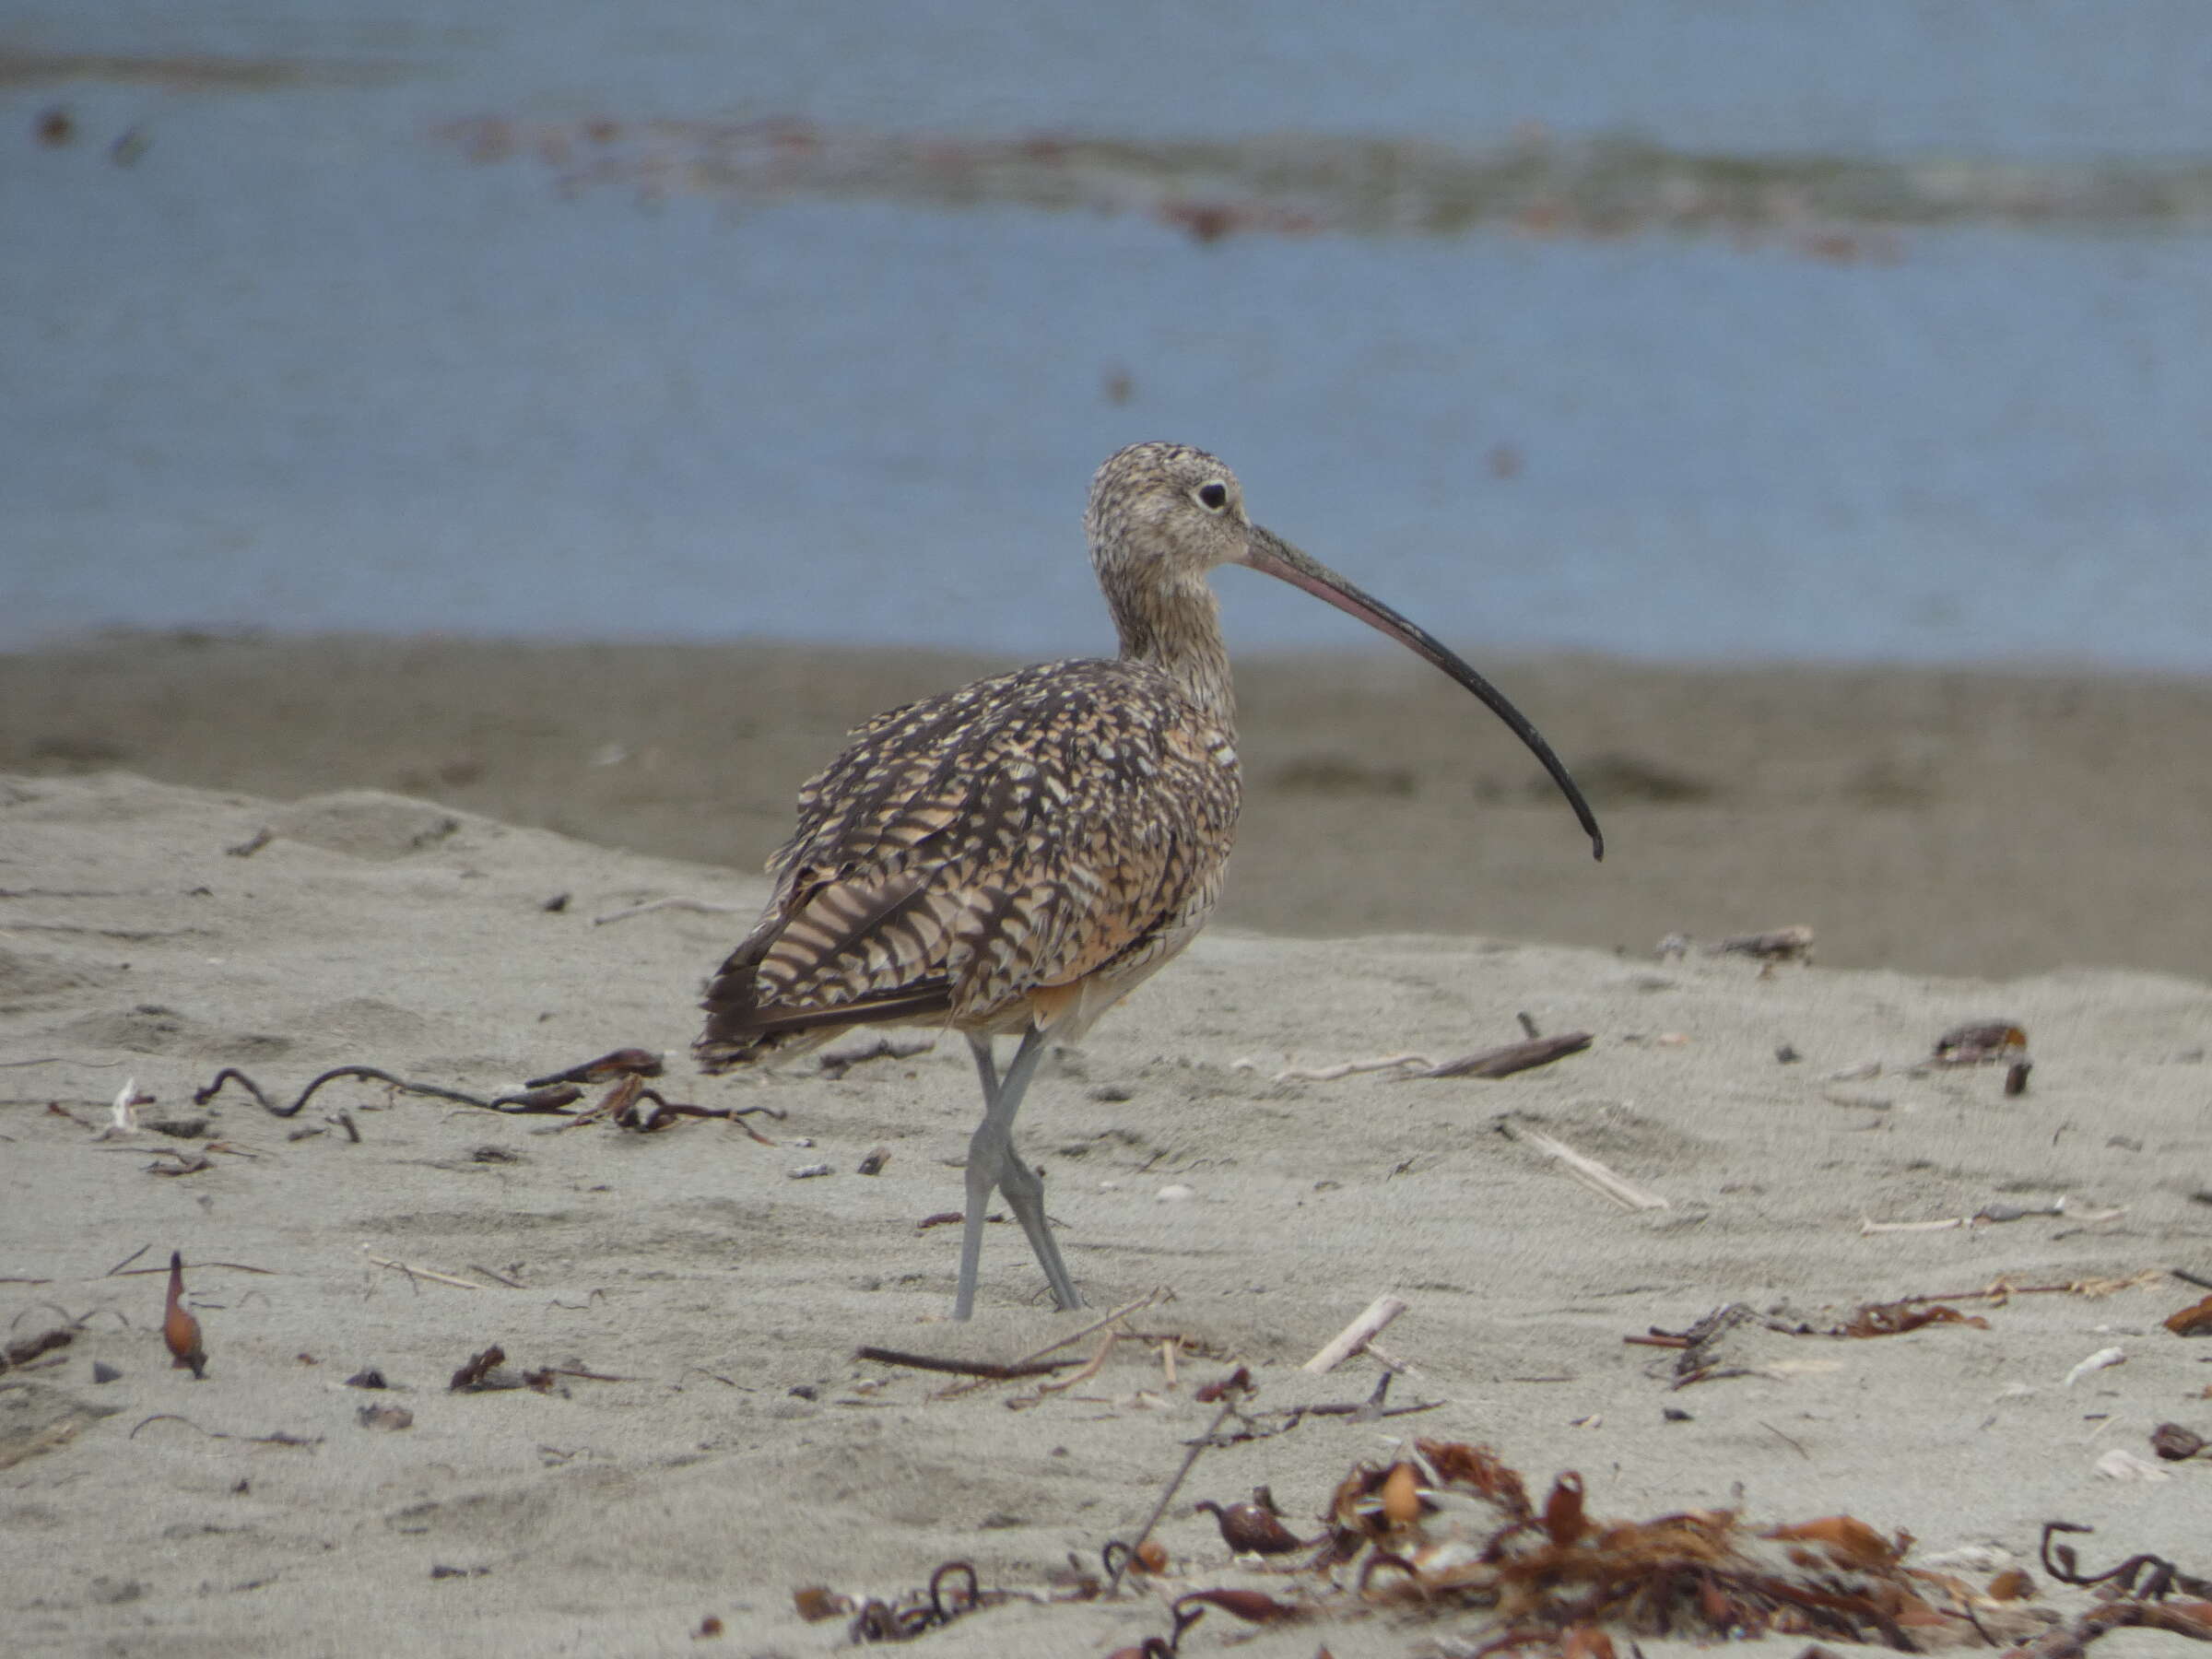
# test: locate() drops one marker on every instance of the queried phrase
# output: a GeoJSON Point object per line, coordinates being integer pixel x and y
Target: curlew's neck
{"type": "Point", "coordinates": [1176, 627]}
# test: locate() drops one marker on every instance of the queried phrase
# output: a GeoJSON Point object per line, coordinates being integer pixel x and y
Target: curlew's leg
{"type": "Point", "coordinates": [993, 1165]}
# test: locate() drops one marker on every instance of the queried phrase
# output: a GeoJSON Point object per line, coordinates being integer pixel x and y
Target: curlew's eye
{"type": "Point", "coordinates": [1213, 496]}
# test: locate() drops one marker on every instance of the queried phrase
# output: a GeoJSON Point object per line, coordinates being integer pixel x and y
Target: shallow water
{"type": "Point", "coordinates": [285, 350]}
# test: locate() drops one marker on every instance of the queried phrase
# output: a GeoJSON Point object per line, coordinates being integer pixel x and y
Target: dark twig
{"type": "Point", "coordinates": [838, 1063]}
{"type": "Point", "coordinates": [278, 1439]}
{"type": "Point", "coordinates": [964, 1368]}
{"type": "Point", "coordinates": [1366, 1412]}
{"type": "Point", "coordinates": [1363, 1411]}
{"type": "Point", "coordinates": [1797, 1446]}
{"type": "Point", "coordinates": [570, 1371]}
{"type": "Point", "coordinates": [120, 1272]}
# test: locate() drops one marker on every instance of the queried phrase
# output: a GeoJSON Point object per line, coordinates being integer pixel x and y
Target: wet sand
{"type": "Point", "coordinates": [1986, 822]}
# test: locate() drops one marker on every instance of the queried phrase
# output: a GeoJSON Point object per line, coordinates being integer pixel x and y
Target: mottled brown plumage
{"type": "Point", "coordinates": [1013, 856]}
{"type": "Point", "coordinates": [1022, 851]}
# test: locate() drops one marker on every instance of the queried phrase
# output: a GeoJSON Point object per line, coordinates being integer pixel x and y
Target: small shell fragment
{"type": "Point", "coordinates": [2097, 1361]}
{"type": "Point", "coordinates": [2120, 1464]}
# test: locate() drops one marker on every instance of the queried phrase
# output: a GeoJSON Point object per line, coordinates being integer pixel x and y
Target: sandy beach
{"type": "Point", "coordinates": [290, 856]}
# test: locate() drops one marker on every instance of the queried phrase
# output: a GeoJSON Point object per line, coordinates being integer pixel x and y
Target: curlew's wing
{"type": "Point", "coordinates": [1019, 839]}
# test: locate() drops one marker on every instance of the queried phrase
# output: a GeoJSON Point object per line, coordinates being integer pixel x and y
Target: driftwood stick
{"type": "Point", "coordinates": [1096, 1324]}
{"type": "Point", "coordinates": [1348, 1068]}
{"type": "Point", "coordinates": [1389, 1362]}
{"type": "Point", "coordinates": [1513, 1057]}
{"type": "Point", "coordinates": [413, 1272]}
{"type": "Point", "coordinates": [1355, 1336]}
{"type": "Point", "coordinates": [1586, 1170]}
{"type": "Point", "coordinates": [1090, 1369]}
{"type": "Point", "coordinates": [1868, 1226]}
{"type": "Point", "coordinates": [1367, 1410]}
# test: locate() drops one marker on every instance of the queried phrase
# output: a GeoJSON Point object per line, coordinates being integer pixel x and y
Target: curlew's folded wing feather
{"type": "Point", "coordinates": [971, 851]}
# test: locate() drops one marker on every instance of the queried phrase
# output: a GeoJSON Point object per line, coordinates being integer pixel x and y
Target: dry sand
{"type": "Point", "coordinates": [746, 1452]}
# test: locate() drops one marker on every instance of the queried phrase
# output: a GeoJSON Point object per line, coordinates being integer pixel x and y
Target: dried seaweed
{"type": "Point", "coordinates": [2157, 1575]}
{"type": "Point", "coordinates": [953, 1592]}
{"type": "Point", "coordinates": [1450, 1530]}
{"type": "Point", "coordinates": [1454, 1526]}
{"type": "Point", "coordinates": [2196, 1320]}
{"type": "Point", "coordinates": [533, 1099]}
{"type": "Point", "coordinates": [1894, 1319]}
{"type": "Point", "coordinates": [623, 1105]}
{"type": "Point", "coordinates": [1699, 1344]}
{"type": "Point", "coordinates": [2181, 1619]}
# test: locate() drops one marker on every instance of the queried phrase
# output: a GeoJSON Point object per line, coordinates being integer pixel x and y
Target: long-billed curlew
{"type": "Point", "coordinates": [1013, 857]}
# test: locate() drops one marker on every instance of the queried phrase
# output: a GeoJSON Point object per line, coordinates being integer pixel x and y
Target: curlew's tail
{"type": "Point", "coordinates": [746, 1024]}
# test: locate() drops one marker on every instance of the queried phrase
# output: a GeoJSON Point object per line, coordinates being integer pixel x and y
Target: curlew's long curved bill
{"type": "Point", "coordinates": [1268, 552]}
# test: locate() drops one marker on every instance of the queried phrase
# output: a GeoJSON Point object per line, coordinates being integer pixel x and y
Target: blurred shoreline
{"type": "Point", "coordinates": [1974, 820]}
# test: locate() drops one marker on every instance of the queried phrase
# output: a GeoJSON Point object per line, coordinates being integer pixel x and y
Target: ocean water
{"type": "Point", "coordinates": [1694, 331]}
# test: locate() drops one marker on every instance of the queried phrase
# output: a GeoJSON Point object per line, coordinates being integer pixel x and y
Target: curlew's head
{"type": "Point", "coordinates": [1164, 513]}
{"type": "Point", "coordinates": [1161, 515]}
